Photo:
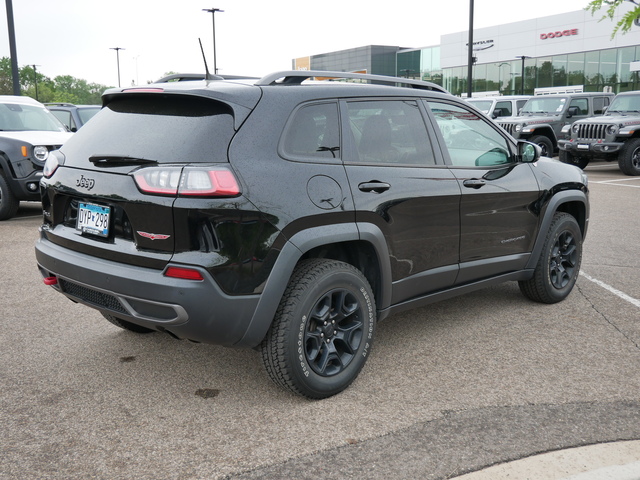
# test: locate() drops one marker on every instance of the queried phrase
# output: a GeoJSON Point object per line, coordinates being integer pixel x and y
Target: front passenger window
{"type": "Point", "coordinates": [470, 140]}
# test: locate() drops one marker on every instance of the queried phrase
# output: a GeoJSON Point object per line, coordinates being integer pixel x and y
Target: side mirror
{"type": "Point", "coordinates": [497, 113]}
{"type": "Point", "coordinates": [528, 152]}
{"type": "Point", "coordinates": [573, 111]}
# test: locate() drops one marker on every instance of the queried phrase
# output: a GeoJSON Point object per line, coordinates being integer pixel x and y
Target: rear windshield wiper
{"type": "Point", "coordinates": [119, 160]}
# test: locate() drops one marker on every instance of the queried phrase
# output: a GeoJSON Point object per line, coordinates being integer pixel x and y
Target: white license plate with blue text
{"type": "Point", "coordinates": [93, 219]}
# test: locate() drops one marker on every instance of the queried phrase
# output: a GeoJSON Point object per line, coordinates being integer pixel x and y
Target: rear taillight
{"type": "Point", "coordinates": [188, 181]}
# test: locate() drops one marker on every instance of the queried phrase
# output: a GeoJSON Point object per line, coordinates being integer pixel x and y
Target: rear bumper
{"type": "Point", "coordinates": [194, 310]}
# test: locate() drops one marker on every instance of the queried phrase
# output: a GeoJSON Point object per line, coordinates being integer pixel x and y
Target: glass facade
{"type": "Point", "coordinates": [596, 70]}
{"type": "Point", "coordinates": [378, 59]}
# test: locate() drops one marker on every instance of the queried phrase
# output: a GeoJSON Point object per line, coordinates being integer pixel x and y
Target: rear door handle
{"type": "Point", "coordinates": [474, 183]}
{"type": "Point", "coordinates": [375, 186]}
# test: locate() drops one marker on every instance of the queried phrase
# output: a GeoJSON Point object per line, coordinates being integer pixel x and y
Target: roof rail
{"type": "Point", "coordinates": [184, 77]}
{"type": "Point", "coordinates": [296, 77]}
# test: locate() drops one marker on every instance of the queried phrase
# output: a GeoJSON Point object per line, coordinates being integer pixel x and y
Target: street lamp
{"type": "Point", "coordinates": [35, 79]}
{"type": "Point", "coordinates": [470, 53]}
{"type": "Point", "coordinates": [117, 49]}
{"type": "Point", "coordinates": [522, 75]}
{"type": "Point", "coordinates": [213, 18]}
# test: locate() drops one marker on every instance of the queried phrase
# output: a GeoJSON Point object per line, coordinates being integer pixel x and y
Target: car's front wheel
{"type": "Point", "coordinates": [323, 329]}
{"type": "Point", "coordinates": [8, 202]}
{"type": "Point", "coordinates": [559, 264]}
{"type": "Point", "coordinates": [569, 158]}
{"type": "Point", "coordinates": [546, 146]}
{"type": "Point", "coordinates": [629, 157]}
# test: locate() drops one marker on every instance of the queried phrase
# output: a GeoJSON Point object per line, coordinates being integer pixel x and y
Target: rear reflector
{"type": "Point", "coordinates": [183, 273]}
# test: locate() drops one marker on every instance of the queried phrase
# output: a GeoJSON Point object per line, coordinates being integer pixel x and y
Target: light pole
{"type": "Point", "coordinates": [470, 53]}
{"type": "Point", "coordinates": [35, 79]}
{"type": "Point", "coordinates": [117, 49]}
{"type": "Point", "coordinates": [522, 74]}
{"type": "Point", "coordinates": [213, 18]}
{"type": "Point", "coordinates": [15, 75]}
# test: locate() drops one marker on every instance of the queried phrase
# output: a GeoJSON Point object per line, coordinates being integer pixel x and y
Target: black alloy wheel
{"type": "Point", "coordinates": [322, 332]}
{"type": "Point", "coordinates": [558, 266]}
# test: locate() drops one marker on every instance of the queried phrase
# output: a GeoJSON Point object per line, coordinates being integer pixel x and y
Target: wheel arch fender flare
{"type": "Point", "coordinates": [291, 253]}
{"type": "Point", "coordinates": [555, 205]}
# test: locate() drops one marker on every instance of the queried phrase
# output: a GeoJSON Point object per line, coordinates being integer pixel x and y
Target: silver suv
{"type": "Point", "coordinates": [543, 117]}
{"type": "Point", "coordinates": [500, 106]}
{"type": "Point", "coordinates": [614, 136]}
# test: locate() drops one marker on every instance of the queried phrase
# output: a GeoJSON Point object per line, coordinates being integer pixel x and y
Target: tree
{"type": "Point", "coordinates": [62, 89]}
{"type": "Point", "coordinates": [627, 20]}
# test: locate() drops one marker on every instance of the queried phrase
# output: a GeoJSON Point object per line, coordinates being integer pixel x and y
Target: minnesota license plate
{"type": "Point", "coordinates": [93, 219]}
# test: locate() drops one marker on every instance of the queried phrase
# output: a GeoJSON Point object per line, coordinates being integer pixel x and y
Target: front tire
{"type": "Point", "coordinates": [559, 264]}
{"type": "Point", "coordinates": [569, 158]}
{"type": "Point", "coordinates": [629, 157]}
{"type": "Point", "coordinates": [546, 146]}
{"type": "Point", "coordinates": [8, 202]}
{"type": "Point", "coordinates": [323, 329]}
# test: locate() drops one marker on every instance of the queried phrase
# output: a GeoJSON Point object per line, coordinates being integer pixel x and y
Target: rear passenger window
{"type": "Point", "coordinates": [599, 103]}
{"type": "Point", "coordinates": [389, 132]}
{"type": "Point", "coordinates": [505, 108]}
{"type": "Point", "coordinates": [313, 133]}
{"type": "Point", "coordinates": [582, 104]}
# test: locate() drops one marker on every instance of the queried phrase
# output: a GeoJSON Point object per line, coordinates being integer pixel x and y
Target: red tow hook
{"type": "Point", "coordinates": [50, 280]}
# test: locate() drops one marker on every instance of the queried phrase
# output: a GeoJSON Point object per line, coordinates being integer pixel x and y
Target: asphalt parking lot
{"type": "Point", "coordinates": [452, 388]}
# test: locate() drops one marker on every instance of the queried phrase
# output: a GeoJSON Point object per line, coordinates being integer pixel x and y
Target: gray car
{"type": "Point", "coordinates": [543, 117]}
{"type": "Point", "coordinates": [612, 137]}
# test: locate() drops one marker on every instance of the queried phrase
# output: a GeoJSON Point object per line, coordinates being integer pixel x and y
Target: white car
{"type": "Point", "coordinates": [28, 132]}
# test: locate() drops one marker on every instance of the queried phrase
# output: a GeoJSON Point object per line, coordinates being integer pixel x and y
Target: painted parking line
{"type": "Point", "coordinates": [618, 182]}
{"type": "Point", "coordinates": [609, 288]}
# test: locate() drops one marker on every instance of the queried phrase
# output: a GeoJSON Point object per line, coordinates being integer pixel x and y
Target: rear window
{"type": "Point", "coordinates": [162, 128]}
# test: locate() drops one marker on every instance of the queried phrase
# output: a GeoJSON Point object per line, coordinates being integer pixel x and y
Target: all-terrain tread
{"type": "Point", "coordinates": [273, 346]}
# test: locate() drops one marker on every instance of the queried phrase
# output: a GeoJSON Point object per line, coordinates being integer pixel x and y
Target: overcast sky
{"type": "Point", "coordinates": [75, 37]}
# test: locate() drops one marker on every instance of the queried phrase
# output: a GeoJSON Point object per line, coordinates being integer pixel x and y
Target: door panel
{"type": "Point", "coordinates": [397, 186]}
{"type": "Point", "coordinates": [497, 223]}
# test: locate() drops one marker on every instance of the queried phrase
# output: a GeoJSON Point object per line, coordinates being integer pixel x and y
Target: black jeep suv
{"type": "Point", "coordinates": [291, 215]}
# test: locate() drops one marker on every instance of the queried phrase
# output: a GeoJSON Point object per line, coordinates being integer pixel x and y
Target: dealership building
{"type": "Point", "coordinates": [572, 49]}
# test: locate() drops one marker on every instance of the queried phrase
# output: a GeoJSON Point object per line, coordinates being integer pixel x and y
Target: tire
{"type": "Point", "coordinates": [629, 157]}
{"type": "Point", "coordinates": [131, 327]}
{"type": "Point", "coordinates": [545, 145]}
{"type": "Point", "coordinates": [559, 264]}
{"type": "Point", "coordinates": [8, 202]}
{"type": "Point", "coordinates": [569, 158]}
{"type": "Point", "coordinates": [313, 348]}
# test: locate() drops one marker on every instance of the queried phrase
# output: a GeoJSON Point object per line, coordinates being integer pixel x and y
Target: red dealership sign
{"type": "Point", "coordinates": [560, 33]}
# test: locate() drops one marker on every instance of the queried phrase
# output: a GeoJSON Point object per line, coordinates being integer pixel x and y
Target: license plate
{"type": "Point", "coordinates": [583, 146]}
{"type": "Point", "coordinates": [93, 219]}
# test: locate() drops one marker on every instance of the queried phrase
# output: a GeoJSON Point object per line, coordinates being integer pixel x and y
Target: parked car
{"type": "Point", "coordinates": [543, 117]}
{"type": "Point", "coordinates": [28, 133]}
{"type": "Point", "coordinates": [500, 106]}
{"type": "Point", "coordinates": [73, 116]}
{"type": "Point", "coordinates": [614, 136]}
{"type": "Point", "coordinates": [292, 216]}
